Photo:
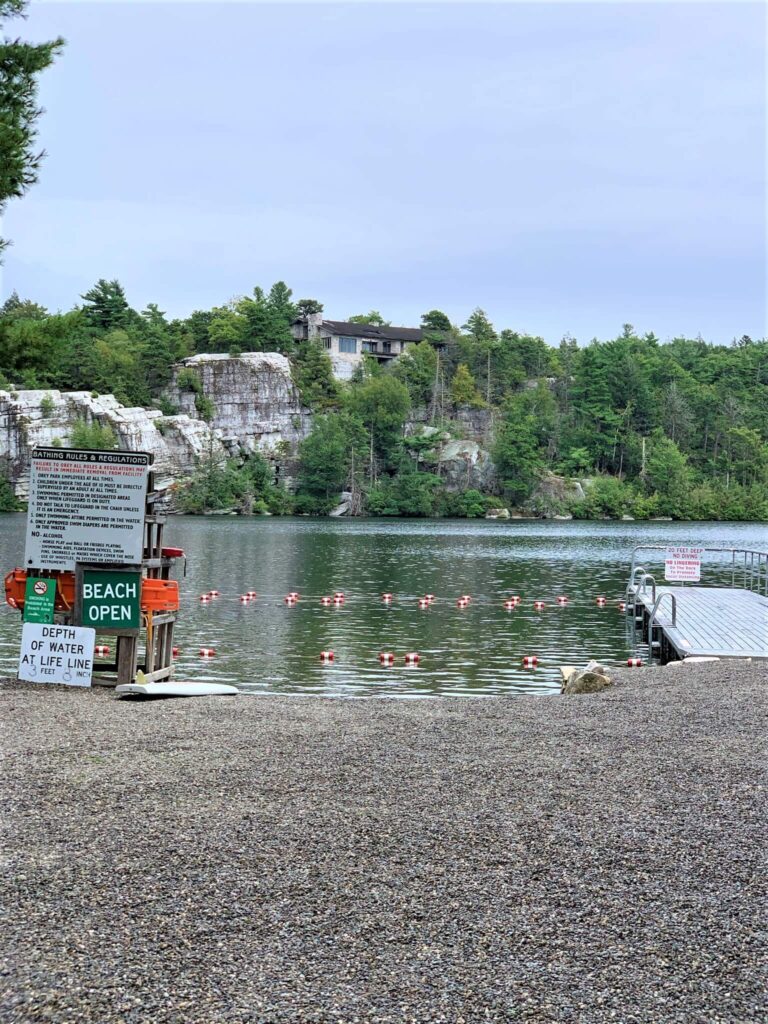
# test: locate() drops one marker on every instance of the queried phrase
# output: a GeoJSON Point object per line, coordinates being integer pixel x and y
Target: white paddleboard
{"type": "Point", "coordinates": [168, 689]}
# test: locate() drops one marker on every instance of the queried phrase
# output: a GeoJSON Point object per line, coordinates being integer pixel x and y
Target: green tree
{"type": "Point", "coordinates": [106, 308]}
{"type": "Point", "coordinates": [15, 308]}
{"type": "Point", "coordinates": [373, 317]}
{"type": "Point", "coordinates": [20, 67]}
{"type": "Point", "coordinates": [435, 320]}
{"type": "Point", "coordinates": [382, 404]}
{"type": "Point", "coordinates": [667, 475]}
{"type": "Point", "coordinates": [417, 368]}
{"type": "Point", "coordinates": [93, 435]}
{"type": "Point", "coordinates": [516, 451]}
{"type": "Point", "coordinates": [464, 390]}
{"type": "Point", "coordinates": [307, 307]}
{"type": "Point", "coordinates": [479, 327]}
{"type": "Point", "coordinates": [313, 376]}
{"type": "Point", "coordinates": [334, 450]}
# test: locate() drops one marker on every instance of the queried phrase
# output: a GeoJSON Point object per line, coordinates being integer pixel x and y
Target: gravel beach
{"type": "Point", "coordinates": [583, 859]}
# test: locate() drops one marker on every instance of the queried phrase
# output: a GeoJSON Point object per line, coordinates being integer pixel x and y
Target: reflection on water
{"type": "Point", "coordinates": [266, 647]}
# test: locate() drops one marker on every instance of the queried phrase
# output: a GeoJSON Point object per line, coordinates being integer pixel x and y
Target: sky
{"type": "Point", "coordinates": [567, 167]}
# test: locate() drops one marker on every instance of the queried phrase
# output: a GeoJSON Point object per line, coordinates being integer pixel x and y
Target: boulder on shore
{"type": "Point", "coordinates": [591, 679]}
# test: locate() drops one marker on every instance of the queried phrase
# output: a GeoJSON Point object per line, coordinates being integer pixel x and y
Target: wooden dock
{"type": "Point", "coordinates": [723, 622]}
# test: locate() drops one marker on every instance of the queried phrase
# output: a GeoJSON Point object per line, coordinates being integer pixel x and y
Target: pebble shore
{"type": "Point", "coordinates": [585, 859]}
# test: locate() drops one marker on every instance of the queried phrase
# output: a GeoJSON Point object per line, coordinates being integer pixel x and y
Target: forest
{"type": "Point", "coordinates": [676, 428]}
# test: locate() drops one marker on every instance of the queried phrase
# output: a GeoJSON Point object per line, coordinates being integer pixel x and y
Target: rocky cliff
{"type": "Point", "coordinates": [254, 405]}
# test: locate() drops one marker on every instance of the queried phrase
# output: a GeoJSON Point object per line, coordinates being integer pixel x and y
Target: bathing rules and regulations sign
{"type": "Point", "coordinates": [85, 506]}
{"type": "Point", "coordinates": [683, 564]}
{"type": "Point", "coordinates": [56, 654]}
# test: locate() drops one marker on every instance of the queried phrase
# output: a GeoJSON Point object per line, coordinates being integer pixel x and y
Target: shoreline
{"type": "Point", "coordinates": [590, 859]}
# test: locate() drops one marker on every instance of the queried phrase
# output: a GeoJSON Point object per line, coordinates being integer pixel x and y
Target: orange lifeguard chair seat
{"type": "Point", "coordinates": [156, 595]}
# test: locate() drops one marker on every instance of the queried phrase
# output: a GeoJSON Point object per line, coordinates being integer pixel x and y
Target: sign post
{"type": "Point", "coordinates": [95, 529]}
{"type": "Point", "coordinates": [39, 599]}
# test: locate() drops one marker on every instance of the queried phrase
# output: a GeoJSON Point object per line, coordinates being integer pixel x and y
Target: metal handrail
{"type": "Point", "coordinates": [655, 608]}
{"type": "Point", "coordinates": [753, 565]}
{"type": "Point", "coordinates": [642, 585]}
{"type": "Point", "coordinates": [632, 581]}
{"type": "Point", "coordinates": [652, 619]}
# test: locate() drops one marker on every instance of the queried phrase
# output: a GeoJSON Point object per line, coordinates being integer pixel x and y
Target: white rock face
{"type": "Point", "coordinates": [256, 404]}
{"type": "Point", "coordinates": [30, 419]}
{"type": "Point", "coordinates": [256, 407]}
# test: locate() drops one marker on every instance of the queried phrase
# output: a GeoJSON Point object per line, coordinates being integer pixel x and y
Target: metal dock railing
{"type": "Point", "coordinates": [724, 616]}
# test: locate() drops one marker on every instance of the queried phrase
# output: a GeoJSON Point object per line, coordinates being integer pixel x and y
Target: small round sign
{"type": "Point", "coordinates": [41, 587]}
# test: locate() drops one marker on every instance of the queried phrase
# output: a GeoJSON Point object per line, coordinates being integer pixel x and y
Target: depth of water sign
{"type": "Point", "coordinates": [85, 506]}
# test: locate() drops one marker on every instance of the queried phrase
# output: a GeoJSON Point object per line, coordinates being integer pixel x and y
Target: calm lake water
{"type": "Point", "coordinates": [265, 647]}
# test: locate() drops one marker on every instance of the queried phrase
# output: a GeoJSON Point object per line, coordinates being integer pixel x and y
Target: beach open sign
{"type": "Point", "coordinates": [111, 600]}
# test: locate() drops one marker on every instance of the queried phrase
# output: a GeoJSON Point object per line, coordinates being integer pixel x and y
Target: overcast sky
{"type": "Point", "coordinates": [568, 167]}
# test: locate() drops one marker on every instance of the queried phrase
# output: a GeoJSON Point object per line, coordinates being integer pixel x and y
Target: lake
{"type": "Point", "coordinates": [265, 647]}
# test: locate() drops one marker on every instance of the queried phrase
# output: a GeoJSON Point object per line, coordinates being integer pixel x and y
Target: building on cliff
{"type": "Point", "coordinates": [346, 342]}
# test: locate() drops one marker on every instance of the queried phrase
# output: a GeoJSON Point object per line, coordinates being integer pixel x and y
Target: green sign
{"type": "Point", "coordinates": [39, 598]}
{"type": "Point", "coordinates": [111, 600]}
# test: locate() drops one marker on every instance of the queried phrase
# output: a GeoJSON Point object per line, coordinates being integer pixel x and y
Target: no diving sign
{"type": "Point", "coordinates": [683, 564]}
{"type": "Point", "coordinates": [56, 654]}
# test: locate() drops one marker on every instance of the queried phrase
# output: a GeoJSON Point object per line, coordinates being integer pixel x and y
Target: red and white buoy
{"type": "Point", "coordinates": [326, 601]}
{"type": "Point", "coordinates": [101, 651]}
{"type": "Point", "coordinates": [386, 598]}
{"type": "Point", "coordinates": [462, 603]}
{"type": "Point", "coordinates": [466, 597]}
{"type": "Point", "coordinates": [530, 661]}
{"type": "Point", "coordinates": [175, 652]}
{"type": "Point", "coordinates": [244, 599]}
{"type": "Point", "coordinates": [205, 598]}
{"type": "Point", "coordinates": [423, 603]}
{"type": "Point", "coordinates": [290, 601]}
{"type": "Point", "coordinates": [516, 598]}
{"type": "Point", "coordinates": [412, 658]}
{"type": "Point", "coordinates": [326, 657]}
{"type": "Point", "coordinates": [510, 605]}
{"type": "Point", "coordinates": [430, 597]}
{"type": "Point", "coordinates": [339, 595]}
{"type": "Point", "coordinates": [635, 662]}
{"type": "Point", "coordinates": [294, 594]}
{"type": "Point", "coordinates": [622, 606]}
{"type": "Point", "coordinates": [539, 606]}
{"type": "Point", "coordinates": [338, 602]}
{"type": "Point", "coordinates": [214, 593]}
{"type": "Point", "coordinates": [252, 594]}
{"type": "Point", "coordinates": [386, 658]}
{"type": "Point", "coordinates": [207, 652]}
{"type": "Point", "coordinates": [600, 601]}
{"type": "Point", "coordinates": [562, 599]}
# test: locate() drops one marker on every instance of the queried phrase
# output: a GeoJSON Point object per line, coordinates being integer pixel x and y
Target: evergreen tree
{"type": "Point", "coordinates": [464, 390]}
{"type": "Point", "coordinates": [106, 307]}
{"type": "Point", "coordinates": [20, 67]}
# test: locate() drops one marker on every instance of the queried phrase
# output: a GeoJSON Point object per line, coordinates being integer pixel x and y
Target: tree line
{"type": "Point", "coordinates": [674, 428]}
